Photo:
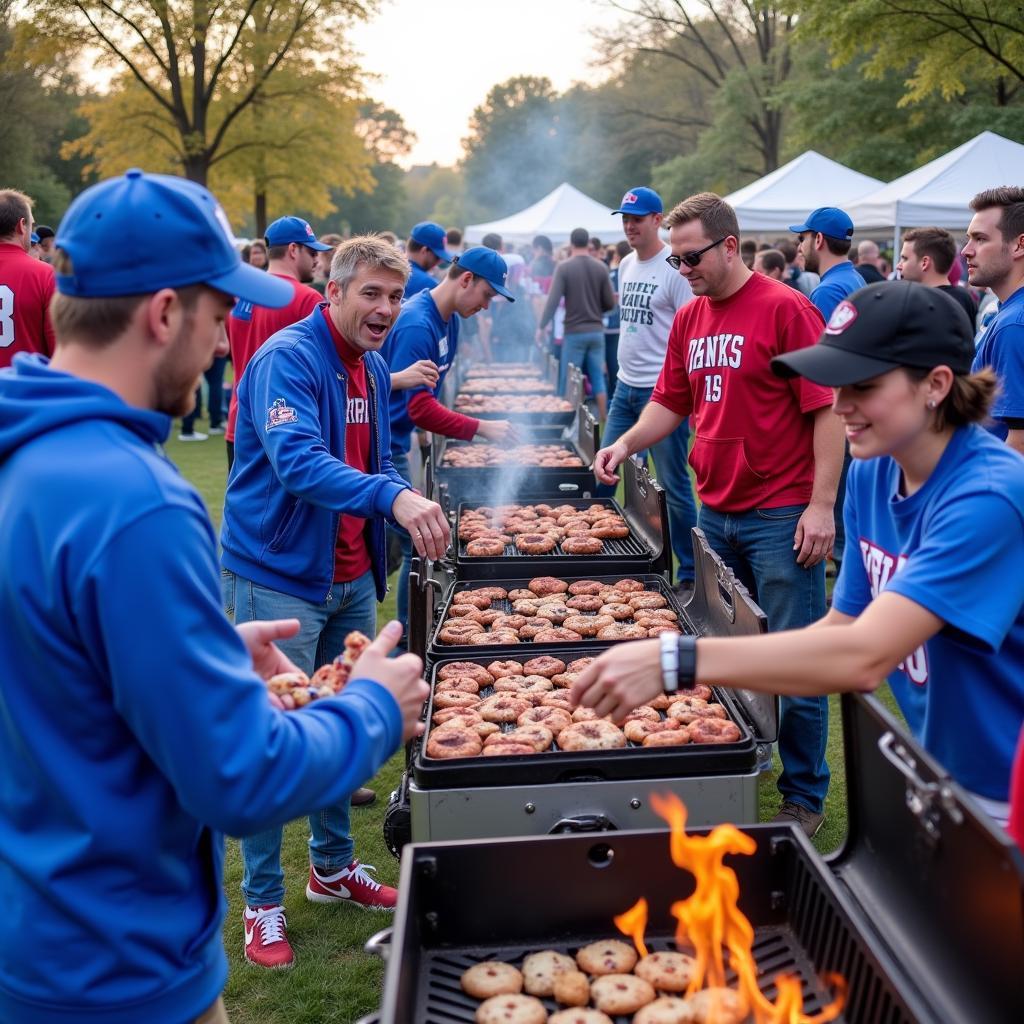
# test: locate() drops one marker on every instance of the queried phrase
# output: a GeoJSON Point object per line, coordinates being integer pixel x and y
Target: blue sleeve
{"type": "Point", "coordinates": [969, 569]}
{"type": "Point", "coordinates": [1002, 348]}
{"type": "Point", "coordinates": [296, 450]}
{"type": "Point", "coordinates": [409, 344]}
{"type": "Point", "coordinates": [852, 591]}
{"type": "Point", "coordinates": [826, 297]}
{"type": "Point", "coordinates": [182, 680]}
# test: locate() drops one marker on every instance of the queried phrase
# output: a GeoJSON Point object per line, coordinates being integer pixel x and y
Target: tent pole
{"type": "Point", "coordinates": [897, 232]}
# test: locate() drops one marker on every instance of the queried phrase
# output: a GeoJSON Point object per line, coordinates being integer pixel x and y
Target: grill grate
{"type": "Point", "coordinates": [444, 1002]}
{"type": "Point", "coordinates": [627, 547]}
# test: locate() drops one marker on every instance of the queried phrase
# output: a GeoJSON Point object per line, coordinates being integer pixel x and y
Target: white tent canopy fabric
{"type": "Point", "coordinates": [938, 193]}
{"type": "Point", "coordinates": [555, 216]}
{"type": "Point", "coordinates": [789, 193]}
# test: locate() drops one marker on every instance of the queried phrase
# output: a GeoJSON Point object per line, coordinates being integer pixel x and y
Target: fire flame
{"type": "Point", "coordinates": [710, 922]}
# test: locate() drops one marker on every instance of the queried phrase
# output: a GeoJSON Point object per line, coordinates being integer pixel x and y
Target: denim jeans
{"type": "Point", "coordinates": [586, 352]}
{"type": "Point", "coordinates": [669, 462]}
{"type": "Point", "coordinates": [321, 637]}
{"type": "Point", "coordinates": [214, 376]}
{"type": "Point", "coordinates": [758, 547]}
{"type": "Point", "coordinates": [401, 464]}
{"type": "Point", "coordinates": [611, 361]}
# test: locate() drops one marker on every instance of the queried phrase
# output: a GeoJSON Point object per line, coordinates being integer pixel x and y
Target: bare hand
{"type": "Point", "coordinates": [402, 677]}
{"type": "Point", "coordinates": [259, 638]}
{"type": "Point", "coordinates": [608, 460]}
{"type": "Point", "coordinates": [624, 677]}
{"type": "Point", "coordinates": [815, 535]}
{"type": "Point", "coordinates": [499, 430]}
{"type": "Point", "coordinates": [425, 522]}
{"type": "Point", "coordinates": [420, 374]}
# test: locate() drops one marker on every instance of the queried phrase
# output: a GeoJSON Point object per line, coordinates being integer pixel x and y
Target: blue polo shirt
{"type": "Point", "coordinates": [1001, 346]}
{"type": "Point", "coordinates": [419, 333]}
{"type": "Point", "coordinates": [835, 284]}
{"type": "Point", "coordinates": [419, 280]}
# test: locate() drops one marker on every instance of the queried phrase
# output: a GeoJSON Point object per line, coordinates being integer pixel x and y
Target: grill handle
{"type": "Point", "coordinates": [925, 800]}
{"type": "Point", "coordinates": [583, 823]}
{"type": "Point", "coordinates": [379, 945]}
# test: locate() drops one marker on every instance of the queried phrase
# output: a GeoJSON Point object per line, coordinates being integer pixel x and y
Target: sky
{"type": "Point", "coordinates": [437, 59]}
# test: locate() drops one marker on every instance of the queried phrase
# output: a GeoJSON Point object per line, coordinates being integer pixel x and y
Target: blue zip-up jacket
{"type": "Point", "coordinates": [133, 731]}
{"type": "Point", "coordinates": [289, 483]}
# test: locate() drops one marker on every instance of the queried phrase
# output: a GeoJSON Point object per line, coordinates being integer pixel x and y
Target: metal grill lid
{"type": "Point", "coordinates": [941, 882]}
{"type": "Point", "coordinates": [722, 606]}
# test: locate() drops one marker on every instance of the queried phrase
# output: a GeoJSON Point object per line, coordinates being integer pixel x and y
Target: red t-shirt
{"type": "Point", "coordinates": [753, 440]}
{"type": "Point", "coordinates": [351, 555]}
{"type": "Point", "coordinates": [1015, 826]}
{"type": "Point", "coordinates": [26, 287]}
{"type": "Point", "coordinates": [250, 326]}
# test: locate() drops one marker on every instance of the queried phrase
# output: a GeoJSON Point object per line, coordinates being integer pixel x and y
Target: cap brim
{"type": "Point", "coordinates": [254, 285]}
{"type": "Point", "coordinates": [318, 246]}
{"type": "Point", "coordinates": [830, 366]}
{"type": "Point", "coordinates": [442, 254]}
{"type": "Point", "coordinates": [798, 228]}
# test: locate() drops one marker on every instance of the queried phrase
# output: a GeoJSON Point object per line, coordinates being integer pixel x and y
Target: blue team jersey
{"type": "Point", "coordinates": [419, 333]}
{"type": "Point", "coordinates": [419, 280]}
{"type": "Point", "coordinates": [1001, 346]}
{"type": "Point", "coordinates": [956, 547]}
{"type": "Point", "coordinates": [836, 283]}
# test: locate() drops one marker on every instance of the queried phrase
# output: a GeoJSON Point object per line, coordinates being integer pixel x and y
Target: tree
{"type": "Point", "coordinates": [738, 52]}
{"type": "Point", "coordinates": [948, 46]}
{"type": "Point", "coordinates": [199, 69]}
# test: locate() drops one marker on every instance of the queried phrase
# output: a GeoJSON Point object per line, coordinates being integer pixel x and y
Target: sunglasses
{"type": "Point", "coordinates": [692, 259]}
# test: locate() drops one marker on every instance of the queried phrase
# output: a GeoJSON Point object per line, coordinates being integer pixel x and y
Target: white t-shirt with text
{"type": "Point", "coordinates": [650, 292]}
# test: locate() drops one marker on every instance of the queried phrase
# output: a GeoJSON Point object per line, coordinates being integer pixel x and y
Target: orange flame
{"type": "Point", "coordinates": [710, 922]}
{"type": "Point", "coordinates": [634, 923]}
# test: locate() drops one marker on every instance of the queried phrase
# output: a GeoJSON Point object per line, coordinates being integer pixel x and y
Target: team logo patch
{"type": "Point", "coordinates": [842, 316]}
{"type": "Point", "coordinates": [279, 414]}
{"type": "Point", "coordinates": [628, 199]}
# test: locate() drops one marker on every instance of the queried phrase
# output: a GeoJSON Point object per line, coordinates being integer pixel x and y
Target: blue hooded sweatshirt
{"type": "Point", "coordinates": [133, 730]}
{"type": "Point", "coordinates": [289, 483]}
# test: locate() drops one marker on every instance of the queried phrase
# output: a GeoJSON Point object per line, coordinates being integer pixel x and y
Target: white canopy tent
{"type": "Point", "coordinates": [789, 193]}
{"type": "Point", "coordinates": [938, 194]}
{"type": "Point", "coordinates": [555, 216]}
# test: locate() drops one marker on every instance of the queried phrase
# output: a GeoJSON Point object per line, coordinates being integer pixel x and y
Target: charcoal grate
{"type": "Point", "coordinates": [442, 1000]}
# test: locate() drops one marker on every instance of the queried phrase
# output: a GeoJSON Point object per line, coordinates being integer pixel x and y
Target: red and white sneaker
{"type": "Point", "coordinates": [266, 938]}
{"type": "Point", "coordinates": [351, 885]}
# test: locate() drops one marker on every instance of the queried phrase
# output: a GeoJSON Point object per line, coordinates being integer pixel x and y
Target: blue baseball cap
{"type": "Point", "coordinates": [434, 237]}
{"type": "Point", "coordinates": [142, 232]}
{"type": "Point", "coordinates": [286, 230]}
{"type": "Point", "coordinates": [640, 201]}
{"type": "Point", "coordinates": [827, 220]}
{"type": "Point", "coordinates": [489, 265]}
{"type": "Point", "coordinates": [34, 238]}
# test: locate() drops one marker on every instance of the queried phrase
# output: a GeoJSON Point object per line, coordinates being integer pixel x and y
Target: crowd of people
{"type": "Point", "coordinates": [823, 409]}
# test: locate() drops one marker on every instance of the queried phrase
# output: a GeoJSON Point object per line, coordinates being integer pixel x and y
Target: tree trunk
{"type": "Point", "coordinates": [196, 168]}
{"type": "Point", "coordinates": [261, 214]}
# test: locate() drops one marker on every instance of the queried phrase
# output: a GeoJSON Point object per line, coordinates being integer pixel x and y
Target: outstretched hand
{"type": "Point", "coordinates": [259, 637]}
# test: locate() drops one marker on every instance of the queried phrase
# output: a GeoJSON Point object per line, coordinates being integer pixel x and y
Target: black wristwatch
{"type": "Point", "coordinates": [687, 647]}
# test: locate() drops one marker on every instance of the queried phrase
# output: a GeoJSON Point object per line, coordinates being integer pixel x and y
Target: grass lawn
{"type": "Point", "coordinates": [333, 981]}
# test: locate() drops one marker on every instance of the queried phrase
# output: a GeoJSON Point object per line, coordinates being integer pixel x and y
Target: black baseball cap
{"type": "Point", "coordinates": [44, 231]}
{"type": "Point", "coordinates": [882, 327]}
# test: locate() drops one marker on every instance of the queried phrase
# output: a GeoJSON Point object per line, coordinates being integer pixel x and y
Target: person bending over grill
{"type": "Point", "coordinates": [310, 488]}
{"type": "Point", "coordinates": [135, 727]}
{"type": "Point", "coordinates": [427, 329]}
{"type": "Point", "coordinates": [931, 594]}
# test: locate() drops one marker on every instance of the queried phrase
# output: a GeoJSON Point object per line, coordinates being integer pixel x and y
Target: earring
{"type": "Point", "coordinates": [931, 404]}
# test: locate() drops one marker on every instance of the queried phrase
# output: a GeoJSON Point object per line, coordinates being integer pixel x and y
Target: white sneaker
{"type": "Point", "coordinates": [194, 436]}
{"type": "Point", "coordinates": [215, 430]}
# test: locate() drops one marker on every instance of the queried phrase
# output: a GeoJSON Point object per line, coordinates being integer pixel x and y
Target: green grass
{"type": "Point", "coordinates": [333, 981]}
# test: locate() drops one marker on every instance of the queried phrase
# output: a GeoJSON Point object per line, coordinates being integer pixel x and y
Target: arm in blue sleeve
{"type": "Point", "coordinates": [1005, 349]}
{"type": "Point", "coordinates": [296, 449]}
{"type": "Point", "coordinates": [182, 680]}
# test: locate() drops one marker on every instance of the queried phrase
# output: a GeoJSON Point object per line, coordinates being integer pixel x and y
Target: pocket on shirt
{"type": "Point", "coordinates": [286, 527]}
{"type": "Point", "coordinates": [725, 477]}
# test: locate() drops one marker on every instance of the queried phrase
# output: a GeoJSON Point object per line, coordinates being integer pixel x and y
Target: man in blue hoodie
{"type": "Point", "coordinates": [134, 726]}
{"type": "Point", "coordinates": [310, 490]}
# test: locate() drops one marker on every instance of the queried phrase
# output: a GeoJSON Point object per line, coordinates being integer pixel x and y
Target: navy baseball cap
{"type": "Point", "coordinates": [640, 201]}
{"type": "Point", "coordinates": [434, 237]}
{"type": "Point", "coordinates": [827, 220]}
{"type": "Point", "coordinates": [881, 327]}
{"type": "Point", "coordinates": [286, 230]}
{"type": "Point", "coordinates": [142, 232]}
{"type": "Point", "coordinates": [44, 231]}
{"type": "Point", "coordinates": [489, 265]}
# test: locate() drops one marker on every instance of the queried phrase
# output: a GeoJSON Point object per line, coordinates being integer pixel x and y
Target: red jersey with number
{"type": "Point", "coordinates": [753, 436]}
{"type": "Point", "coordinates": [250, 326]}
{"type": "Point", "coordinates": [26, 287]}
{"type": "Point", "coordinates": [351, 554]}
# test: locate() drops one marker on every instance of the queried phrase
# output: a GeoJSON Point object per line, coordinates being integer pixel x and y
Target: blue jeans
{"type": "Point", "coordinates": [401, 464]}
{"type": "Point", "coordinates": [758, 547]}
{"type": "Point", "coordinates": [585, 351]}
{"type": "Point", "coordinates": [321, 638]}
{"type": "Point", "coordinates": [670, 463]}
{"type": "Point", "coordinates": [215, 397]}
